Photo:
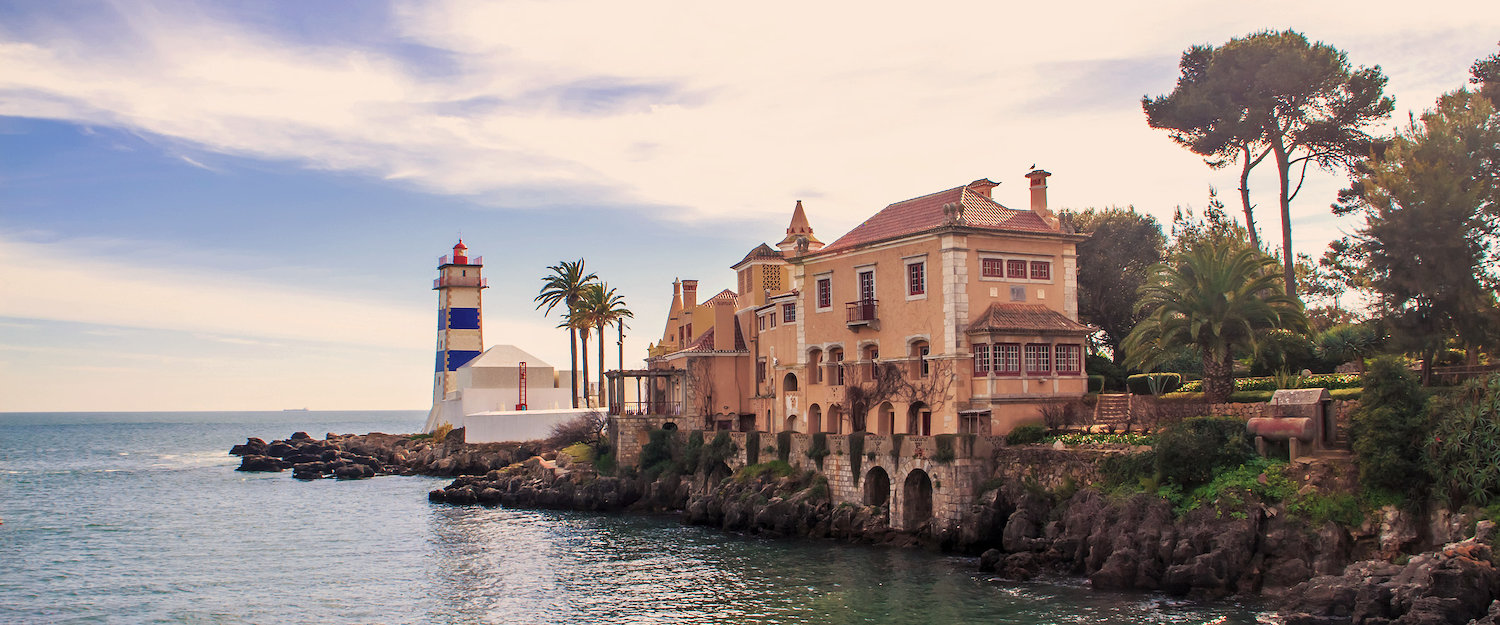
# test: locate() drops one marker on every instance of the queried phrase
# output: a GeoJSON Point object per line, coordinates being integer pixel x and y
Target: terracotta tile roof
{"type": "Point", "coordinates": [1025, 318]}
{"type": "Point", "coordinates": [705, 342]}
{"type": "Point", "coordinates": [763, 251]}
{"type": "Point", "coordinates": [725, 295]}
{"type": "Point", "coordinates": [926, 212]}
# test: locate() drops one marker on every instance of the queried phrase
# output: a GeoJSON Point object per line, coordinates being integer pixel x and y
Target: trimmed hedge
{"type": "Point", "coordinates": [1140, 384]}
{"type": "Point", "coordinates": [1330, 381]}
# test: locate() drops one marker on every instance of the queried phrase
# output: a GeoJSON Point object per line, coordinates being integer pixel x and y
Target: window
{"type": "Point", "coordinates": [992, 267]}
{"type": "Point", "coordinates": [867, 285]}
{"type": "Point", "coordinates": [772, 317]}
{"type": "Point", "coordinates": [825, 292]}
{"type": "Point", "coordinates": [815, 367]}
{"type": "Point", "coordinates": [916, 278]}
{"type": "Point", "coordinates": [1068, 357]}
{"type": "Point", "coordinates": [1038, 359]}
{"type": "Point", "coordinates": [926, 368]}
{"type": "Point", "coordinates": [762, 323]}
{"type": "Point", "coordinates": [788, 313]}
{"type": "Point", "coordinates": [871, 355]}
{"type": "Point", "coordinates": [982, 359]}
{"type": "Point", "coordinates": [836, 360]}
{"type": "Point", "coordinates": [1015, 269]}
{"type": "Point", "coordinates": [1041, 270]}
{"type": "Point", "coordinates": [760, 370]}
{"type": "Point", "coordinates": [1007, 359]}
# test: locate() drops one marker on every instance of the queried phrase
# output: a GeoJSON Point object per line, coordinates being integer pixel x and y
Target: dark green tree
{"type": "Point", "coordinates": [1273, 90]}
{"type": "Point", "coordinates": [1431, 204]}
{"type": "Point", "coordinates": [1388, 429]}
{"type": "Point", "coordinates": [1112, 266]}
{"type": "Point", "coordinates": [1216, 298]}
{"type": "Point", "coordinates": [1486, 73]}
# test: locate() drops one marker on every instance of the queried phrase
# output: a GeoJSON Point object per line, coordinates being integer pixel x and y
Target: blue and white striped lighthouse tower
{"type": "Point", "coordinates": [459, 337]}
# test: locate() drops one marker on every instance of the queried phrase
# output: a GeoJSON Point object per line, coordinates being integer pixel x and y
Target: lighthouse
{"type": "Point", "coordinates": [459, 338]}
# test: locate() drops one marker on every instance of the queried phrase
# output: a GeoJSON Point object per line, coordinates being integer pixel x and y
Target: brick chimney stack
{"type": "Point", "coordinates": [1038, 179]}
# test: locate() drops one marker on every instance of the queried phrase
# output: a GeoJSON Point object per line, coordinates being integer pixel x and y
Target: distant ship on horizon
{"type": "Point", "coordinates": [294, 410]}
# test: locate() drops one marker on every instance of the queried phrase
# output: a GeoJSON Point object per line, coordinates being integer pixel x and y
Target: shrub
{"type": "Point", "coordinates": [1129, 470]}
{"type": "Point", "coordinates": [856, 454]}
{"type": "Point", "coordinates": [819, 448]}
{"type": "Point", "coordinates": [1190, 452]}
{"type": "Point", "coordinates": [1387, 428]}
{"type": "Point", "coordinates": [784, 445]}
{"type": "Point", "coordinates": [1345, 394]}
{"type": "Point", "coordinates": [1096, 384]}
{"type": "Point", "coordinates": [1330, 381]}
{"type": "Point", "coordinates": [945, 452]}
{"type": "Point", "coordinates": [441, 432]}
{"type": "Point", "coordinates": [1250, 397]}
{"type": "Point", "coordinates": [584, 428]}
{"type": "Point", "coordinates": [1026, 435]}
{"type": "Point", "coordinates": [1465, 443]}
{"type": "Point", "coordinates": [606, 464]}
{"type": "Point", "coordinates": [1255, 480]}
{"type": "Point", "coordinates": [1341, 508]}
{"type": "Point", "coordinates": [656, 454]}
{"type": "Point", "coordinates": [1142, 384]}
{"type": "Point", "coordinates": [777, 468]}
{"type": "Point", "coordinates": [1113, 374]}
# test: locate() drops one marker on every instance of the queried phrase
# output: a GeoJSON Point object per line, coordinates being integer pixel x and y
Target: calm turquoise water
{"type": "Point", "coordinates": [140, 518]}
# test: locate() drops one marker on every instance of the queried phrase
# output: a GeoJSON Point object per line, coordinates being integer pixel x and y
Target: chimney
{"type": "Point", "coordinates": [723, 324]}
{"type": "Point", "coordinates": [1039, 196]}
{"type": "Point", "coordinates": [689, 295]}
{"type": "Point", "coordinates": [983, 186]}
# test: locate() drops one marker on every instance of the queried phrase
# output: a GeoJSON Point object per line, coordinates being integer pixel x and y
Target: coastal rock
{"type": "Point", "coordinates": [1455, 584]}
{"type": "Point", "coordinates": [261, 464]}
{"type": "Point", "coordinates": [252, 447]}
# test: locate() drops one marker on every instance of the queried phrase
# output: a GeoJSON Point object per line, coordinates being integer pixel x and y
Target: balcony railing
{"type": "Point", "coordinates": [446, 260]}
{"type": "Point", "coordinates": [861, 312]}
{"type": "Point", "coordinates": [438, 283]}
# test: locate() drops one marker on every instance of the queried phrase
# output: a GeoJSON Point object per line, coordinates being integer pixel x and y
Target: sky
{"type": "Point", "coordinates": [240, 206]}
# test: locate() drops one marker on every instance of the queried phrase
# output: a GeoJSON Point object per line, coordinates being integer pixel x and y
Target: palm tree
{"type": "Point", "coordinates": [604, 307]}
{"type": "Point", "coordinates": [580, 321]}
{"type": "Point", "coordinates": [1216, 298]}
{"type": "Point", "coordinates": [565, 286]}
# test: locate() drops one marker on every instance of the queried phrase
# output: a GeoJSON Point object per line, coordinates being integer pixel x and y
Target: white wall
{"type": "Point", "coordinates": [525, 425]}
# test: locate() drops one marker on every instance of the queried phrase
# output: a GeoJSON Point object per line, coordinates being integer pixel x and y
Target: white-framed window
{"type": "Point", "coordinates": [998, 266]}
{"type": "Point", "coordinates": [981, 359]}
{"type": "Point", "coordinates": [788, 312]}
{"type": "Point", "coordinates": [824, 293]}
{"type": "Point", "coordinates": [1069, 359]}
{"type": "Point", "coordinates": [1038, 359]}
{"type": "Point", "coordinates": [1007, 359]}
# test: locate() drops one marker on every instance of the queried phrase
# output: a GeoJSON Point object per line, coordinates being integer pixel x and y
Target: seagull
{"type": "Point", "coordinates": [1033, 165]}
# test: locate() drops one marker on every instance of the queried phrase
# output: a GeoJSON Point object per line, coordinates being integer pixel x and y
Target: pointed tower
{"type": "Point", "coordinates": [799, 235]}
{"type": "Point", "coordinates": [459, 338]}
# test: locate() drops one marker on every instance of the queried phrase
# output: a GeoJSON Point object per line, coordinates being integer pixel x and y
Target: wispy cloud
{"type": "Point", "coordinates": [659, 103]}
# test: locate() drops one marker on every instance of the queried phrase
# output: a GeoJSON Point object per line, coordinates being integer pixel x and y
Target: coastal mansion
{"type": "Point", "coordinates": [946, 313]}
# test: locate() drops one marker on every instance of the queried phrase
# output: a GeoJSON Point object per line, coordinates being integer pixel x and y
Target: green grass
{"type": "Point", "coordinates": [777, 468]}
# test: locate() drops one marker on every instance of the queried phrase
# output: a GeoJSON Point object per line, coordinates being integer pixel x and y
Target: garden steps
{"type": "Point", "coordinates": [1112, 410]}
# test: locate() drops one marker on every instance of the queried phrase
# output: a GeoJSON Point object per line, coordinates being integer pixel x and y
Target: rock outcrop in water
{"type": "Point", "coordinates": [351, 456]}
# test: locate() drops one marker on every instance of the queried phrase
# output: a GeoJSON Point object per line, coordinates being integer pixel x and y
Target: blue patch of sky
{"type": "Point", "coordinates": [339, 23]}
{"type": "Point", "coordinates": [282, 222]}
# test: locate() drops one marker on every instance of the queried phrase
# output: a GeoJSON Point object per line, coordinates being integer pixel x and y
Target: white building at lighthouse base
{"type": "Point", "coordinates": [487, 398]}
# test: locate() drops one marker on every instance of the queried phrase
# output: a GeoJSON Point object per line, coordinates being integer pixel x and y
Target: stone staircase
{"type": "Point", "coordinates": [1112, 411]}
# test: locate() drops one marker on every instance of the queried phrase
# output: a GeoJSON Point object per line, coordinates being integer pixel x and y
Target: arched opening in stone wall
{"type": "Point", "coordinates": [789, 382]}
{"type": "Point", "coordinates": [791, 423]}
{"type": "Point", "coordinates": [877, 487]}
{"type": "Point", "coordinates": [836, 419]}
{"type": "Point", "coordinates": [669, 426]}
{"type": "Point", "coordinates": [885, 419]}
{"type": "Point", "coordinates": [814, 419]}
{"type": "Point", "coordinates": [919, 419]}
{"type": "Point", "coordinates": [916, 499]}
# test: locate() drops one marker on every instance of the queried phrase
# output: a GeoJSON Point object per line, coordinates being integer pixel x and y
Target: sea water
{"type": "Point", "coordinates": [141, 518]}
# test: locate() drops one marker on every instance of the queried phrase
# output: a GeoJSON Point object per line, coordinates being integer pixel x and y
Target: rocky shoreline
{"type": "Point", "coordinates": [1385, 572]}
{"type": "Point", "coordinates": [359, 456]}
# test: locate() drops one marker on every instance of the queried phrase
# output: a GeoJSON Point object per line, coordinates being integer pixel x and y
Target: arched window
{"type": "Point", "coordinates": [815, 366]}
{"type": "Point", "coordinates": [836, 366]}
{"type": "Point", "coordinates": [920, 368]}
{"type": "Point", "coordinates": [789, 382]}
